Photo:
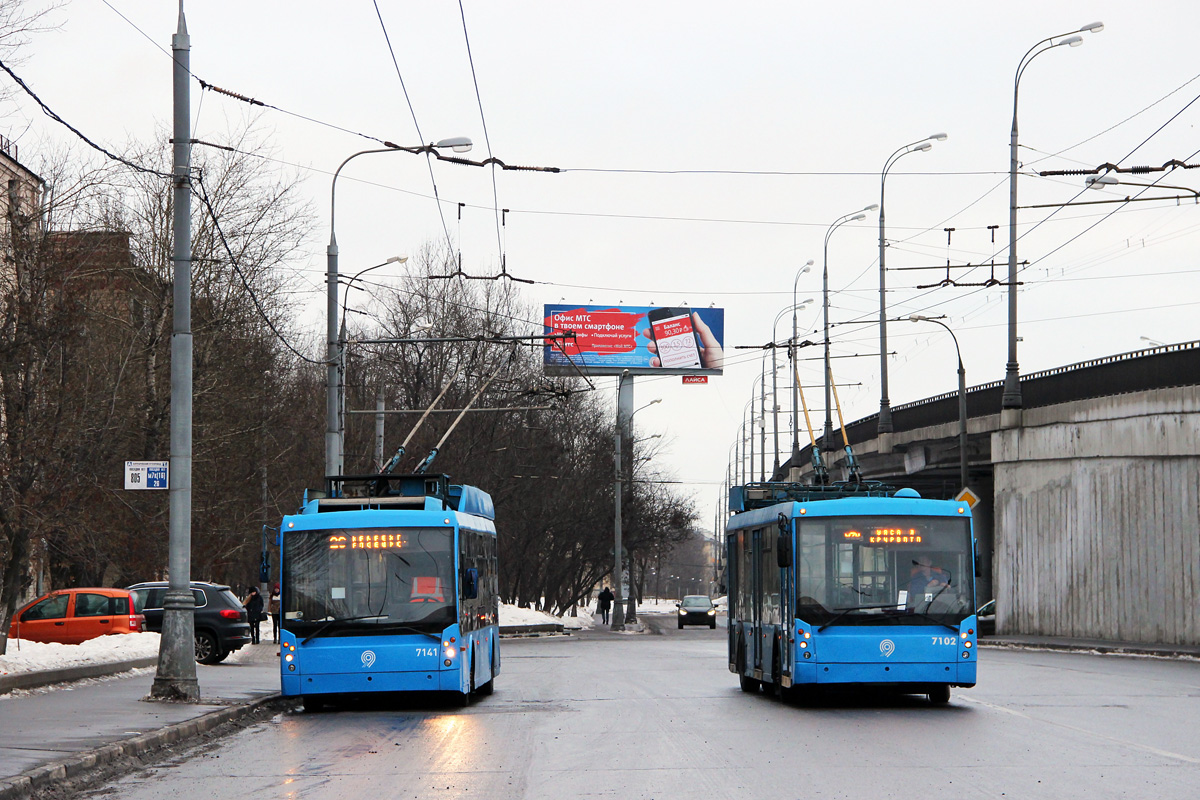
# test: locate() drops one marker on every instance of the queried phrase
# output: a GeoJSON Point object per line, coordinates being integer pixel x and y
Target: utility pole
{"type": "Point", "coordinates": [176, 676]}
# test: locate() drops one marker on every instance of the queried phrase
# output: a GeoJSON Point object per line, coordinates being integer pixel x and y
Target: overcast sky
{"type": "Point", "coordinates": [708, 147]}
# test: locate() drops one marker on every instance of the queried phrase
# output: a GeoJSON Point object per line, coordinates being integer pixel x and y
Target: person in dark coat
{"type": "Point", "coordinates": [604, 602]}
{"type": "Point", "coordinates": [254, 612]}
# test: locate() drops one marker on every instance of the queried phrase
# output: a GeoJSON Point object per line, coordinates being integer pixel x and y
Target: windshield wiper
{"type": "Point", "coordinates": [844, 611]}
{"type": "Point", "coordinates": [321, 629]}
{"type": "Point", "coordinates": [399, 626]}
{"type": "Point", "coordinates": [914, 613]}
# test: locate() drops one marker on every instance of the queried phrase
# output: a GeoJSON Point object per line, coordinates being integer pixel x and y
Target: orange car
{"type": "Point", "coordinates": [71, 616]}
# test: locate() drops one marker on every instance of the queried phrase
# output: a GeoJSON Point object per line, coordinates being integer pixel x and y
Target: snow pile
{"type": "Point", "coordinates": [26, 656]}
{"type": "Point", "coordinates": [511, 615]}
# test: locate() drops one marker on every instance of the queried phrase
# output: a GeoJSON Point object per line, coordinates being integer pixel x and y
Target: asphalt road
{"type": "Point", "coordinates": [658, 715]}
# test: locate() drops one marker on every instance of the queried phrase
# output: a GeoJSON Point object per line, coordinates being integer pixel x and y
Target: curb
{"type": "Point", "coordinates": [1101, 648]}
{"type": "Point", "coordinates": [530, 630]}
{"type": "Point", "coordinates": [24, 785]}
{"type": "Point", "coordinates": [31, 680]}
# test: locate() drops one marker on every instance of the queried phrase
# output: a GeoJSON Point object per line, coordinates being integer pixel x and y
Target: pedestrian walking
{"type": "Point", "coordinates": [604, 602]}
{"type": "Point", "coordinates": [273, 610]}
{"type": "Point", "coordinates": [254, 612]}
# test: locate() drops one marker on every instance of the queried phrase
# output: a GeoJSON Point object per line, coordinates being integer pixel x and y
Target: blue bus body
{"type": "Point", "coordinates": [392, 591]}
{"type": "Point", "coordinates": [857, 587]}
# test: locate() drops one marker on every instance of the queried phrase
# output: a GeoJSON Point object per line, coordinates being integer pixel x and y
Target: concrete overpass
{"type": "Point", "coordinates": [1089, 523]}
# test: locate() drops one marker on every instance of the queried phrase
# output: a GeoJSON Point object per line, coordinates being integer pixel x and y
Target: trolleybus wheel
{"type": "Point", "coordinates": [486, 689]}
{"type": "Point", "coordinates": [940, 694]}
{"type": "Point", "coordinates": [312, 704]}
{"type": "Point", "coordinates": [748, 684]}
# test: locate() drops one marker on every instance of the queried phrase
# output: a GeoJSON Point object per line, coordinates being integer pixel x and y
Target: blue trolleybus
{"type": "Point", "coordinates": [850, 584]}
{"type": "Point", "coordinates": [389, 585]}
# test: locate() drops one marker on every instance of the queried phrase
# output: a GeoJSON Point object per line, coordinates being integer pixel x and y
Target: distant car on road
{"type": "Point", "coordinates": [71, 616]}
{"type": "Point", "coordinates": [220, 618]}
{"type": "Point", "coordinates": [697, 609]}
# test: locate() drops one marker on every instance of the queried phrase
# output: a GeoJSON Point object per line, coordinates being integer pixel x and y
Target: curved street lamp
{"type": "Point", "coordinates": [855, 216]}
{"type": "Point", "coordinates": [333, 439]}
{"type": "Point", "coordinates": [1012, 378]}
{"type": "Point", "coordinates": [885, 407]}
{"type": "Point", "coordinates": [962, 399]}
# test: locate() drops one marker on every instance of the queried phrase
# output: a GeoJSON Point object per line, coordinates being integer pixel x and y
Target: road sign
{"type": "Point", "coordinates": [968, 497]}
{"type": "Point", "coordinates": [147, 474]}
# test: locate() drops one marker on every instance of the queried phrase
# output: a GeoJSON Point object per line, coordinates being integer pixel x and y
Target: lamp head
{"type": "Point", "coordinates": [922, 147]}
{"type": "Point", "coordinates": [396, 260]}
{"type": "Point", "coordinates": [871, 207]}
{"type": "Point", "coordinates": [809, 263]}
{"type": "Point", "coordinates": [859, 216]}
{"type": "Point", "coordinates": [1072, 41]}
{"type": "Point", "coordinates": [916, 318]}
{"type": "Point", "coordinates": [1099, 181]}
{"type": "Point", "coordinates": [459, 144]}
{"type": "Point", "coordinates": [938, 137]}
{"type": "Point", "coordinates": [1094, 27]}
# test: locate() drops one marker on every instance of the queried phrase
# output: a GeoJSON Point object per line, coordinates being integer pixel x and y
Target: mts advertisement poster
{"type": "Point", "coordinates": [642, 339]}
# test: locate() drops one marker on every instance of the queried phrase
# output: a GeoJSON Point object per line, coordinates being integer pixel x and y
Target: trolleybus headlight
{"type": "Point", "coordinates": [803, 644]}
{"type": "Point", "coordinates": [966, 644]}
{"type": "Point", "coordinates": [450, 653]}
{"type": "Point", "coordinates": [289, 658]}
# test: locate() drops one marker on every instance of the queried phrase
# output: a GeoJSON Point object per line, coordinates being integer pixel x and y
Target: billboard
{"type": "Point", "coordinates": [646, 340]}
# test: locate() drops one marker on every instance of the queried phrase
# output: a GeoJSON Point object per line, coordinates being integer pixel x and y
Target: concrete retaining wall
{"type": "Point", "coordinates": [1097, 516]}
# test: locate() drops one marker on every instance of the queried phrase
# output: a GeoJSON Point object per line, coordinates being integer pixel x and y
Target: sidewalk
{"type": "Point", "coordinates": [52, 734]}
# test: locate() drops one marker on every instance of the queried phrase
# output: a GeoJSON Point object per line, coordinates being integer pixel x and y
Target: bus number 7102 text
{"type": "Point", "coordinates": [950, 640]}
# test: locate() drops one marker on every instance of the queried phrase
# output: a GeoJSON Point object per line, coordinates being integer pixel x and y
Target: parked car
{"type": "Point", "coordinates": [220, 619]}
{"type": "Point", "coordinates": [697, 609]}
{"type": "Point", "coordinates": [986, 618]}
{"type": "Point", "coordinates": [71, 616]}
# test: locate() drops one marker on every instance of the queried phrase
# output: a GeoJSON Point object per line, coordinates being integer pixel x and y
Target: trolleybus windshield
{"type": "Point", "coordinates": [348, 582]}
{"type": "Point", "coordinates": [884, 570]}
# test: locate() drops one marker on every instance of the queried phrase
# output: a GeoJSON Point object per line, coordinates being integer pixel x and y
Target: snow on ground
{"type": "Point", "coordinates": [26, 656]}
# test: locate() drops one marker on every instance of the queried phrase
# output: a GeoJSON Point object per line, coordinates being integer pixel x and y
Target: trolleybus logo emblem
{"type": "Point", "coordinates": [368, 659]}
{"type": "Point", "coordinates": [887, 647]}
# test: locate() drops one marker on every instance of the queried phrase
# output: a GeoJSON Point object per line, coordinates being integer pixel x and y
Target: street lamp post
{"type": "Point", "coordinates": [333, 443]}
{"type": "Point", "coordinates": [795, 380]}
{"type": "Point", "coordinates": [962, 400]}
{"type": "Point", "coordinates": [827, 437]}
{"type": "Point", "coordinates": [624, 421]}
{"type": "Point", "coordinates": [1011, 398]}
{"type": "Point", "coordinates": [884, 424]}
{"type": "Point", "coordinates": [775, 370]}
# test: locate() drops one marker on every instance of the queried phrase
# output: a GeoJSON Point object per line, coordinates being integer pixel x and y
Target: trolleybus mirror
{"type": "Point", "coordinates": [783, 546]}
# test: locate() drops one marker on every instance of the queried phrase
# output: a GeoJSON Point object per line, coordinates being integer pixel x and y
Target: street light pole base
{"type": "Point", "coordinates": [1012, 388]}
{"type": "Point", "coordinates": [174, 690]}
{"type": "Point", "coordinates": [885, 418]}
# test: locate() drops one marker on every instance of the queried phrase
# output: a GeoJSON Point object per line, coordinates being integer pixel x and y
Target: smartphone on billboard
{"type": "Point", "coordinates": [674, 338]}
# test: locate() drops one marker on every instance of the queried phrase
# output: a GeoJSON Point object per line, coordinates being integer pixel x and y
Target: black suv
{"type": "Point", "coordinates": [220, 618]}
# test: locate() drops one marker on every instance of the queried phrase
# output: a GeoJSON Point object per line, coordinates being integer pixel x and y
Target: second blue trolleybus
{"type": "Point", "coordinates": [850, 584]}
{"type": "Point", "coordinates": [389, 585]}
